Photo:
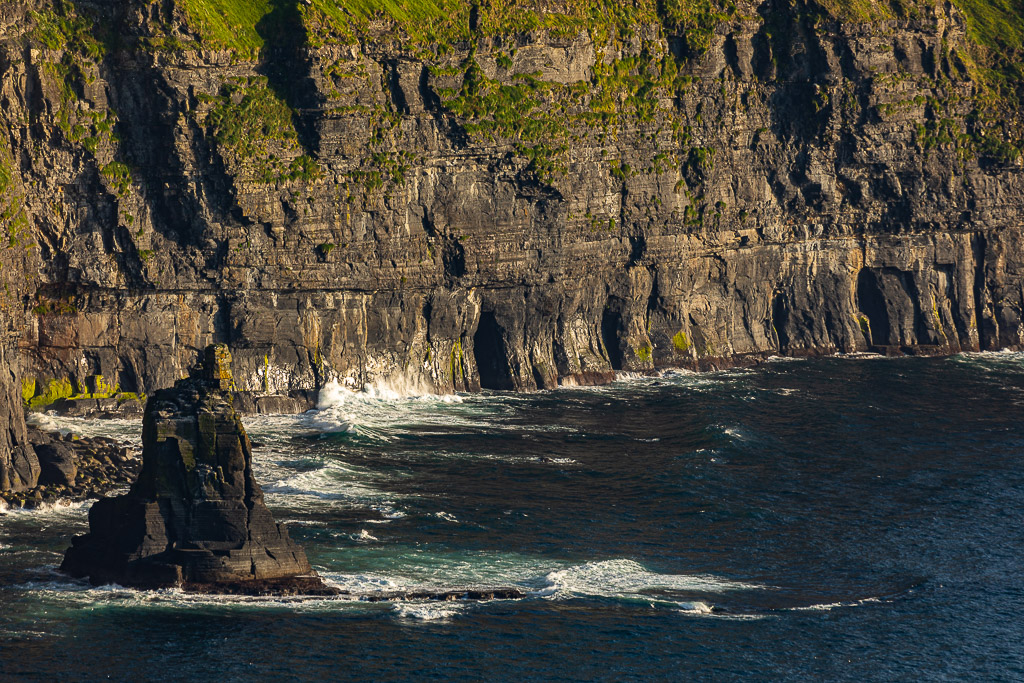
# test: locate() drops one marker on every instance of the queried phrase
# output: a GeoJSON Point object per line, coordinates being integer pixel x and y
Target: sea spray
{"type": "Point", "coordinates": [367, 412]}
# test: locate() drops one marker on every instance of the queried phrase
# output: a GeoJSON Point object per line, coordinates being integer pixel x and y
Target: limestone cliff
{"type": "Point", "coordinates": [505, 194]}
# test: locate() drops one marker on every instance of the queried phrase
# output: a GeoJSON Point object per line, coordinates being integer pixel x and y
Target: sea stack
{"type": "Point", "coordinates": [195, 517]}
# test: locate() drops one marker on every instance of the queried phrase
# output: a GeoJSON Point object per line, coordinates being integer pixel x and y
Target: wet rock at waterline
{"type": "Point", "coordinates": [195, 517]}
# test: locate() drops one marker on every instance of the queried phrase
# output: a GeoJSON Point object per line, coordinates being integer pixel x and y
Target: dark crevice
{"type": "Point", "coordinates": [611, 333]}
{"type": "Point", "coordinates": [491, 354]}
{"type": "Point", "coordinates": [637, 249]}
{"type": "Point", "coordinates": [431, 102]}
{"type": "Point", "coordinates": [395, 88]}
{"type": "Point", "coordinates": [454, 257]}
{"type": "Point", "coordinates": [780, 321]}
{"type": "Point", "coordinates": [871, 302]}
{"type": "Point", "coordinates": [538, 377]}
{"type": "Point", "coordinates": [986, 331]}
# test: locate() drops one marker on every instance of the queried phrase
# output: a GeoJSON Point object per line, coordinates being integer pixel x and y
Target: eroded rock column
{"type": "Point", "coordinates": [195, 517]}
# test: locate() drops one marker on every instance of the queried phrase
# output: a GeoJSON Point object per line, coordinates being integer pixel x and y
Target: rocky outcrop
{"type": "Point", "coordinates": [19, 467]}
{"type": "Point", "coordinates": [503, 195]}
{"type": "Point", "coordinates": [195, 516]}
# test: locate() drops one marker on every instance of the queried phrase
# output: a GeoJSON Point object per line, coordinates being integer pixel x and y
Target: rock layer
{"type": "Point", "coordinates": [195, 516]}
{"type": "Point", "coordinates": [514, 207]}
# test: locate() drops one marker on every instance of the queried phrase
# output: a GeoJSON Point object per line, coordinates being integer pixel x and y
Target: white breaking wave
{"type": "Point", "coordinates": [342, 409]}
{"type": "Point", "coordinates": [336, 393]}
{"type": "Point", "coordinates": [333, 484]}
{"type": "Point", "coordinates": [123, 431]}
{"type": "Point", "coordinates": [615, 579]}
{"type": "Point", "coordinates": [330, 421]}
{"type": "Point", "coordinates": [829, 606]}
{"type": "Point", "coordinates": [697, 607]}
{"type": "Point", "coordinates": [429, 611]}
{"type": "Point", "coordinates": [989, 361]}
{"type": "Point", "coordinates": [364, 536]}
{"type": "Point", "coordinates": [361, 584]}
{"type": "Point", "coordinates": [734, 432]}
{"type": "Point", "coordinates": [55, 510]}
{"type": "Point", "coordinates": [626, 578]}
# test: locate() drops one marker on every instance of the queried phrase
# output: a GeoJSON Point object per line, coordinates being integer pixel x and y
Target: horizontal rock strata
{"type": "Point", "coordinates": [500, 196]}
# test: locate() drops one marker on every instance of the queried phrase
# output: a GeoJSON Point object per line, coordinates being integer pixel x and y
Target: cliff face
{"type": "Point", "coordinates": [503, 196]}
{"type": "Point", "coordinates": [19, 467]}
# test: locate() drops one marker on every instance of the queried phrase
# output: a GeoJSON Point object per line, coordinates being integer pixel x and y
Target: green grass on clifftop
{"type": "Point", "coordinates": [995, 24]}
{"type": "Point", "coordinates": [228, 23]}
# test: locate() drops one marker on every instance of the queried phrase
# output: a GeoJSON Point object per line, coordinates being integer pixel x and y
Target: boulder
{"type": "Point", "coordinates": [56, 463]}
{"type": "Point", "coordinates": [195, 517]}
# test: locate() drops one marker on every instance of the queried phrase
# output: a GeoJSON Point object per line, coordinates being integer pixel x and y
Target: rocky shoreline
{"type": "Point", "coordinates": [105, 465]}
{"type": "Point", "coordinates": [74, 468]}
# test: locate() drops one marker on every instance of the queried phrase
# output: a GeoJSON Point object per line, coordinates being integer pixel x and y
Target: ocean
{"type": "Point", "coordinates": [853, 518]}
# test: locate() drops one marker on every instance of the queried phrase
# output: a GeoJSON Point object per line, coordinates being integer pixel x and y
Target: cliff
{"type": "Point", "coordinates": [500, 194]}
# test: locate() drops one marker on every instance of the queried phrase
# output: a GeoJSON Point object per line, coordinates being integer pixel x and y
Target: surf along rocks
{"type": "Point", "coordinates": [195, 517]}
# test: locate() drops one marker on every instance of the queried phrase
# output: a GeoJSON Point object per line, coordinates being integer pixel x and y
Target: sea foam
{"type": "Point", "coordinates": [429, 611]}
{"type": "Point", "coordinates": [626, 578]}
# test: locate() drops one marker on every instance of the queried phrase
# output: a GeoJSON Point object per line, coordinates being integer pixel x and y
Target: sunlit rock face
{"type": "Point", "coordinates": [508, 201]}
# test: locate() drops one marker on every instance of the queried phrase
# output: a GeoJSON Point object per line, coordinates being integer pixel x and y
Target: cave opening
{"type": "Point", "coordinates": [871, 303]}
{"type": "Point", "coordinates": [491, 355]}
{"type": "Point", "coordinates": [611, 329]}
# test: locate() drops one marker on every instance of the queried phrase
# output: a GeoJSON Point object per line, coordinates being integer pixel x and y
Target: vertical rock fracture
{"type": "Point", "coordinates": [195, 517]}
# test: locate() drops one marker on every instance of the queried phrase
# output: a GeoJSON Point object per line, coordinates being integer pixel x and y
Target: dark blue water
{"type": "Point", "coordinates": [840, 519]}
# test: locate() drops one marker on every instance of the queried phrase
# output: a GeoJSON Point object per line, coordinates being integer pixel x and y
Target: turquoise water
{"type": "Point", "coordinates": [849, 518]}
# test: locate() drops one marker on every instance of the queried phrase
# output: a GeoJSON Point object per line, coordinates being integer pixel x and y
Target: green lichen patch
{"type": "Point", "coordinates": [696, 20]}
{"type": "Point", "coordinates": [680, 342]}
{"type": "Point", "coordinates": [51, 392]}
{"type": "Point", "coordinates": [207, 440]}
{"type": "Point", "coordinates": [997, 25]}
{"type": "Point", "coordinates": [13, 218]}
{"type": "Point", "coordinates": [28, 389]}
{"type": "Point", "coordinates": [73, 49]}
{"type": "Point", "coordinates": [61, 28]}
{"type": "Point", "coordinates": [457, 363]}
{"type": "Point", "coordinates": [865, 326]}
{"type": "Point", "coordinates": [98, 387]}
{"type": "Point", "coordinates": [541, 120]}
{"type": "Point", "coordinates": [59, 306]}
